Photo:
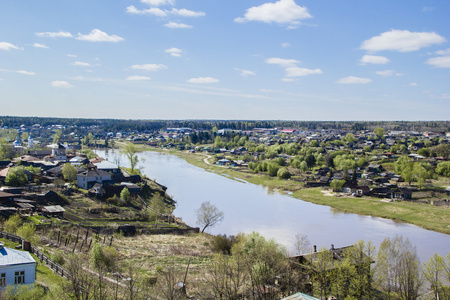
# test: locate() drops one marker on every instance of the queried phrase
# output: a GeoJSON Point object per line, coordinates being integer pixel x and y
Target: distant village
{"type": "Point", "coordinates": [360, 163]}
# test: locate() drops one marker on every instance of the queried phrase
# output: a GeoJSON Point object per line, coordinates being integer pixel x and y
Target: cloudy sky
{"type": "Point", "coordinates": [233, 59]}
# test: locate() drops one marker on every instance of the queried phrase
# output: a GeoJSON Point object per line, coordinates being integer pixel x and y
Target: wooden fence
{"type": "Point", "coordinates": [26, 245]}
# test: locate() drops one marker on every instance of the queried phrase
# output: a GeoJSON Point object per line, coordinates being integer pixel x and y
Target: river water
{"type": "Point", "coordinates": [249, 207]}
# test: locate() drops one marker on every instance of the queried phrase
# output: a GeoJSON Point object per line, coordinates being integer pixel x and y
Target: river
{"type": "Point", "coordinates": [248, 207]}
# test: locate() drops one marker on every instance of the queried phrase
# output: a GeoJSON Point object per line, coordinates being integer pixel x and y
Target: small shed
{"type": "Point", "coordinates": [53, 211]}
{"type": "Point", "coordinates": [16, 267]}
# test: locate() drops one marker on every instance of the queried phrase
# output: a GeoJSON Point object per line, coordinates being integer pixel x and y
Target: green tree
{"type": "Point", "coordinates": [125, 194]}
{"type": "Point", "coordinates": [443, 168]}
{"type": "Point", "coordinates": [27, 231]}
{"type": "Point", "coordinates": [310, 161]}
{"type": "Point", "coordinates": [283, 173]}
{"type": "Point", "coordinates": [130, 151]}
{"type": "Point", "coordinates": [158, 206]}
{"type": "Point", "coordinates": [437, 273]}
{"type": "Point", "coordinates": [379, 132]}
{"type": "Point", "coordinates": [16, 176]}
{"type": "Point", "coordinates": [397, 269]}
{"type": "Point", "coordinates": [6, 150]}
{"type": "Point", "coordinates": [421, 174]}
{"type": "Point", "coordinates": [337, 184]}
{"type": "Point", "coordinates": [272, 169]}
{"type": "Point", "coordinates": [13, 224]}
{"type": "Point", "coordinates": [69, 172]}
{"type": "Point", "coordinates": [208, 215]}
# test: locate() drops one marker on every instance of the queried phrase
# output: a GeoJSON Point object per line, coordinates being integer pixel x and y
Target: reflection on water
{"type": "Point", "coordinates": [249, 207]}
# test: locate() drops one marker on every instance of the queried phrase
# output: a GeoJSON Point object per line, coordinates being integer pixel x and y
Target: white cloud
{"type": "Point", "coordinates": [439, 62]}
{"type": "Point", "coordinates": [285, 45]}
{"type": "Point", "coordinates": [413, 84]}
{"type": "Point", "coordinates": [402, 41]}
{"type": "Point", "coordinates": [158, 2]}
{"type": "Point", "coordinates": [297, 71]}
{"type": "Point", "coordinates": [36, 45]}
{"type": "Point", "coordinates": [97, 35]}
{"type": "Point", "coordinates": [149, 67]}
{"type": "Point", "coordinates": [444, 96]}
{"type": "Point", "coordinates": [282, 62]}
{"type": "Point", "coordinates": [7, 46]}
{"type": "Point", "coordinates": [175, 25]}
{"type": "Point", "coordinates": [137, 77]}
{"type": "Point", "coordinates": [81, 64]}
{"type": "Point", "coordinates": [63, 34]}
{"type": "Point", "coordinates": [203, 80]}
{"type": "Point", "coordinates": [291, 68]}
{"type": "Point", "coordinates": [245, 73]}
{"type": "Point", "coordinates": [281, 12]}
{"type": "Point", "coordinates": [386, 73]}
{"type": "Point", "coordinates": [61, 84]}
{"type": "Point", "coordinates": [354, 80]}
{"type": "Point", "coordinates": [186, 13]}
{"type": "Point", "coordinates": [26, 72]}
{"type": "Point", "coordinates": [373, 59]}
{"type": "Point", "coordinates": [174, 52]}
{"type": "Point", "coordinates": [427, 8]}
{"type": "Point", "coordinates": [71, 55]}
{"type": "Point", "coordinates": [153, 11]}
{"type": "Point", "coordinates": [443, 52]}
{"type": "Point", "coordinates": [288, 79]}
{"type": "Point", "coordinates": [158, 12]}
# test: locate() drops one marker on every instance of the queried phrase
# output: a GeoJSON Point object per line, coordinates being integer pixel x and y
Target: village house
{"type": "Point", "coordinates": [16, 267]}
{"type": "Point", "coordinates": [87, 179]}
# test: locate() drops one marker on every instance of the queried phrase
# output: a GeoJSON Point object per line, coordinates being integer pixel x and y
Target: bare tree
{"type": "Point", "coordinates": [208, 215]}
{"type": "Point", "coordinates": [302, 245]}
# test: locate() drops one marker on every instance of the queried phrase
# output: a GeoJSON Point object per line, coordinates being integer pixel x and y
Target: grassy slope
{"type": "Point", "coordinates": [425, 216]}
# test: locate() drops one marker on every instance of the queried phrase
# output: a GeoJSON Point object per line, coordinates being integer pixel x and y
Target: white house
{"type": "Point", "coordinates": [87, 179]}
{"type": "Point", "coordinates": [16, 267]}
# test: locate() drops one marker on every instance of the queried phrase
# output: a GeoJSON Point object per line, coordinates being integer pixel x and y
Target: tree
{"type": "Point", "coordinates": [13, 224]}
{"type": "Point", "coordinates": [125, 194]}
{"type": "Point", "coordinates": [337, 184]}
{"type": "Point", "coordinates": [16, 176]}
{"type": "Point", "coordinates": [379, 132]}
{"type": "Point", "coordinates": [302, 244]}
{"type": "Point", "coordinates": [397, 270]}
{"type": "Point", "coordinates": [130, 151]}
{"type": "Point", "coordinates": [158, 206]}
{"type": "Point", "coordinates": [437, 273]}
{"type": "Point", "coordinates": [6, 150]}
{"type": "Point", "coordinates": [69, 172]}
{"type": "Point", "coordinates": [208, 215]}
{"type": "Point", "coordinates": [283, 173]}
{"type": "Point", "coordinates": [310, 161]}
{"type": "Point", "coordinates": [443, 168]}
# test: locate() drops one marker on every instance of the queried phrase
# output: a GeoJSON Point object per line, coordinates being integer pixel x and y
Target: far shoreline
{"type": "Point", "coordinates": [421, 215]}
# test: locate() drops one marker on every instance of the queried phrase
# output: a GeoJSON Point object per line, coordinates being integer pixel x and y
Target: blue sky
{"type": "Point", "coordinates": [234, 59]}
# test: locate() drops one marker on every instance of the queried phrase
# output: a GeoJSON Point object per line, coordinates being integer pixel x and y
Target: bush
{"type": "Point", "coordinates": [58, 258]}
{"type": "Point", "coordinates": [13, 223]}
{"type": "Point", "coordinates": [103, 257]}
{"type": "Point", "coordinates": [223, 244]}
{"type": "Point", "coordinates": [27, 231]}
{"type": "Point", "coordinates": [283, 173]}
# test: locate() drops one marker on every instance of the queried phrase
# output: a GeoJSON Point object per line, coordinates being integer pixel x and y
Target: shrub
{"type": "Point", "coordinates": [223, 244]}
{"type": "Point", "coordinates": [283, 173]}
{"type": "Point", "coordinates": [103, 257]}
{"type": "Point", "coordinates": [13, 223]}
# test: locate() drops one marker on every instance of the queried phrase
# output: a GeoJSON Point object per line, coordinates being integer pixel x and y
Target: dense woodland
{"type": "Point", "coordinates": [115, 125]}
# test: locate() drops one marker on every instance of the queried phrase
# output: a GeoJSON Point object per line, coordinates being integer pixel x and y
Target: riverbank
{"type": "Point", "coordinates": [422, 215]}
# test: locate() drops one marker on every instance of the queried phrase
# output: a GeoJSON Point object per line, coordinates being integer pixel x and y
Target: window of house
{"type": "Point", "coordinates": [2, 279]}
{"type": "Point", "coordinates": [19, 277]}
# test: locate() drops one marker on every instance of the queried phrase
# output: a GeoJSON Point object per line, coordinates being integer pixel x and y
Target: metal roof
{"type": "Point", "coordinates": [10, 257]}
